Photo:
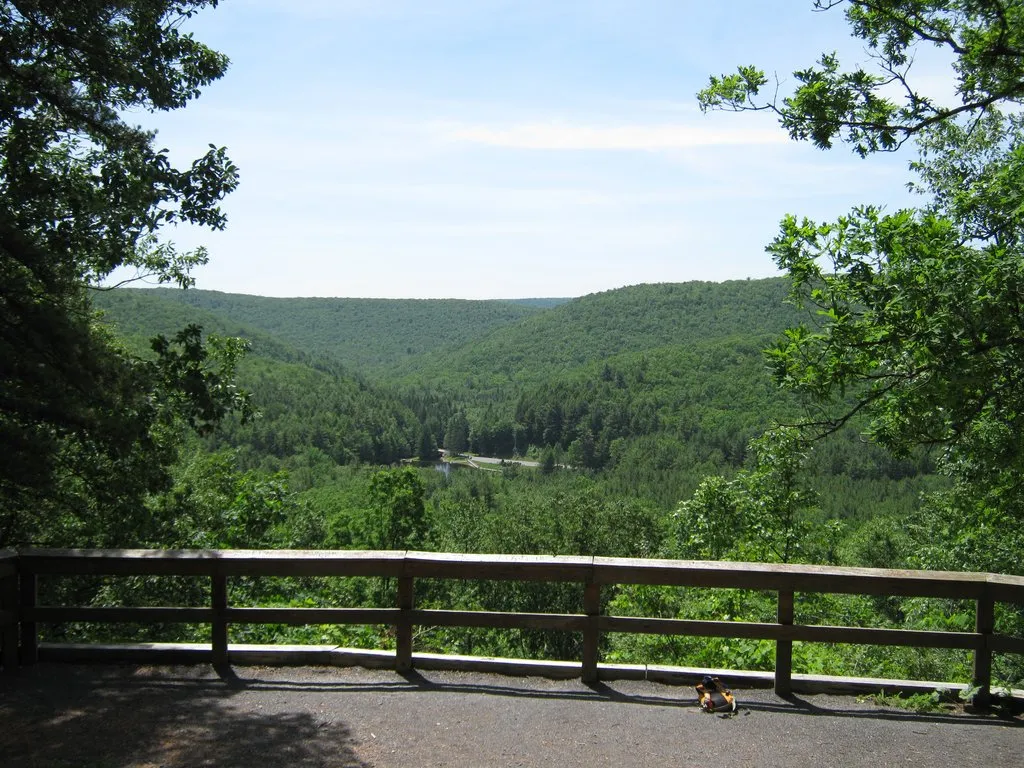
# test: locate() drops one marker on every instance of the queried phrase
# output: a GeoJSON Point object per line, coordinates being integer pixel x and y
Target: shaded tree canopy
{"type": "Point", "coordinates": [84, 192]}
{"type": "Point", "coordinates": [916, 315]}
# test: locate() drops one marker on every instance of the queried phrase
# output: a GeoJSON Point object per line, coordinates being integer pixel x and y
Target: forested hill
{"type": "Point", "coordinates": [655, 386]}
{"type": "Point", "coordinates": [681, 361]}
{"type": "Point", "coordinates": [305, 401]}
{"type": "Point", "coordinates": [478, 341]}
{"type": "Point", "coordinates": [368, 335]}
{"type": "Point", "coordinates": [139, 315]}
{"type": "Point", "coordinates": [601, 325]}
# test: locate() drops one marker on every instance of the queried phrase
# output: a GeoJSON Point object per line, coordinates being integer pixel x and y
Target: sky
{"type": "Point", "coordinates": [483, 149]}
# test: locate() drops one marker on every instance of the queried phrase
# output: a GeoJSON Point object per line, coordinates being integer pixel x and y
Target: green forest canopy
{"type": "Point", "coordinates": [88, 428]}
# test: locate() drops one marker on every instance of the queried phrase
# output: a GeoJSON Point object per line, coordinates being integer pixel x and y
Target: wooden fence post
{"type": "Point", "coordinates": [592, 634]}
{"type": "Point", "coordinates": [984, 625]}
{"type": "Point", "coordinates": [9, 605]}
{"type": "Point", "coordinates": [219, 627]}
{"type": "Point", "coordinates": [784, 648]}
{"type": "Point", "coordinates": [403, 647]}
{"type": "Point", "coordinates": [29, 632]}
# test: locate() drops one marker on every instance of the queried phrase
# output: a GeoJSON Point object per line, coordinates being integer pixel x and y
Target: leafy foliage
{"type": "Point", "coordinates": [880, 109]}
{"type": "Point", "coordinates": [916, 314]}
{"type": "Point", "coordinates": [397, 519]}
{"type": "Point", "coordinates": [762, 515]}
{"type": "Point", "coordinates": [82, 192]}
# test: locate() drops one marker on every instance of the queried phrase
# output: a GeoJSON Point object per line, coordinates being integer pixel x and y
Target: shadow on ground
{"type": "Point", "coordinates": [121, 717]}
{"type": "Point", "coordinates": [143, 717]}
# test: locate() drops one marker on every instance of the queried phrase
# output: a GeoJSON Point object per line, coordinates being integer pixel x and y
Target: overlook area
{"type": "Point", "coordinates": [667, 392]}
{"type": "Point", "coordinates": [183, 716]}
{"type": "Point", "coordinates": [413, 712]}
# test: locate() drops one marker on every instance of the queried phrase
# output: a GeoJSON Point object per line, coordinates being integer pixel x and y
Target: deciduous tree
{"type": "Point", "coordinates": [917, 316]}
{"type": "Point", "coordinates": [397, 518]}
{"type": "Point", "coordinates": [86, 426]}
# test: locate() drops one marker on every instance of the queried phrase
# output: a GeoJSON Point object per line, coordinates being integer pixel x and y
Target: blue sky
{"type": "Point", "coordinates": [489, 149]}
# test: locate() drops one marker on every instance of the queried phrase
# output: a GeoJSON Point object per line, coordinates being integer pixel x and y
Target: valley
{"type": "Point", "coordinates": [650, 423]}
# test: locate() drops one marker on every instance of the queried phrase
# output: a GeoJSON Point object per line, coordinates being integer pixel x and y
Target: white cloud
{"type": "Point", "coordinates": [642, 138]}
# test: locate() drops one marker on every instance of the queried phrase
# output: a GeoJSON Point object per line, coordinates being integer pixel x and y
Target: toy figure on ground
{"type": "Point", "coordinates": [715, 697]}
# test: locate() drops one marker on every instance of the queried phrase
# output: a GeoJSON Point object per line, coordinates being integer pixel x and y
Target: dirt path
{"type": "Point", "coordinates": [54, 715]}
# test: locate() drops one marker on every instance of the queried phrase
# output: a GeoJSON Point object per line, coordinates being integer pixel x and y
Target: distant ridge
{"type": "Point", "coordinates": [370, 335]}
{"type": "Point", "coordinates": [621, 321]}
{"type": "Point", "coordinates": [487, 341]}
{"type": "Point", "coordinates": [654, 385]}
{"type": "Point", "coordinates": [542, 303]}
{"type": "Point", "coordinates": [305, 400]}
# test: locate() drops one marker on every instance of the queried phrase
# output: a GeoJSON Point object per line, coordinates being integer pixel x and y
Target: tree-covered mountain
{"type": "Point", "coordinates": [302, 401]}
{"type": "Point", "coordinates": [368, 335]}
{"type": "Point", "coordinates": [646, 380]}
{"type": "Point", "coordinates": [600, 325]}
{"type": "Point", "coordinates": [653, 386]}
{"type": "Point", "coordinates": [682, 361]}
{"type": "Point", "coordinates": [476, 343]}
{"type": "Point", "coordinates": [677, 364]}
{"type": "Point", "coordinates": [138, 315]}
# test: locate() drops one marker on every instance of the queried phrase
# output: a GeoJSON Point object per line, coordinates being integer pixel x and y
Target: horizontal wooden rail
{"type": "Point", "coordinates": [798, 578]}
{"type": "Point", "coordinates": [499, 620]}
{"type": "Point", "coordinates": [597, 570]}
{"type": "Point", "coordinates": [1004, 644]}
{"type": "Point", "coordinates": [811, 634]}
{"type": "Point", "coordinates": [299, 616]}
{"type": "Point", "coordinates": [204, 562]}
{"type": "Point", "coordinates": [140, 615]}
{"type": "Point", "coordinates": [19, 613]}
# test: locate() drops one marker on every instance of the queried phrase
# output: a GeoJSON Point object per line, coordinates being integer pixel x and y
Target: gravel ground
{"type": "Point", "coordinates": [62, 715]}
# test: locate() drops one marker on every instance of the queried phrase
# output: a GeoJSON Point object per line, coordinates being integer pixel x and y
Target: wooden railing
{"type": "Point", "coordinates": [20, 613]}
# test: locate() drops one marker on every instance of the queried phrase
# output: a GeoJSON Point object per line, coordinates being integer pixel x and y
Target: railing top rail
{"type": "Point", "coordinates": [199, 562]}
{"type": "Point", "coordinates": [797, 568]}
{"type": "Point", "coordinates": [210, 554]}
{"type": "Point", "coordinates": [602, 570]}
{"type": "Point", "coordinates": [499, 567]}
{"type": "Point", "coordinates": [808, 578]}
{"type": "Point", "coordinates": [473, 557]}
